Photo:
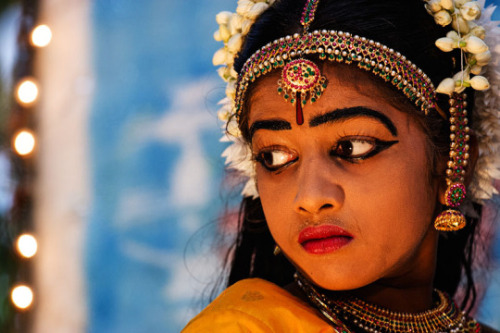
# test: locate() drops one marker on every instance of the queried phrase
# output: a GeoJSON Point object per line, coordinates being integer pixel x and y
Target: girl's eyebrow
{"type": "Point", "coordinates": [271, 124]}
{"type": "Point", "coordinates": [352, 112]}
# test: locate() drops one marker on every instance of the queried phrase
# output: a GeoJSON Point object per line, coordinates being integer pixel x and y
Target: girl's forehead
{"type": "Point", "coordinates": [347, 87]}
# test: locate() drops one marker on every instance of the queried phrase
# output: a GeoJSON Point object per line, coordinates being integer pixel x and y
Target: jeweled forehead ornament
{"type": "Point", "coordinates": [301, 79]}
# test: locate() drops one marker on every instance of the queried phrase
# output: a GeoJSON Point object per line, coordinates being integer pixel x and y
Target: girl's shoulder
{"type": "Point", "coordinates": [256, 305]}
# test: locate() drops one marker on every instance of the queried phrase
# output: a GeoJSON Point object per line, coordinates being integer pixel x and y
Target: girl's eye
{"type": "Point", "coordinates": [274, 159]}
{"type": "Point", "coordinates": [359, 148]}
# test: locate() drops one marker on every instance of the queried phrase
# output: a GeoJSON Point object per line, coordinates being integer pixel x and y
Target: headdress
{"type": "Point", "coordinates": [301, 82]}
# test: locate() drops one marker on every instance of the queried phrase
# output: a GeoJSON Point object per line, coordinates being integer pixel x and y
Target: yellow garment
{"type": "Point", "coordinates": [257, 306]}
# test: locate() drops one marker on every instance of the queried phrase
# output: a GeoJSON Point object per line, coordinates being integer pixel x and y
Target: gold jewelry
{"type": "Point", "coordinates": [451, 219]}
{"type": "Point", "coordinates": [277, 250]}
{"type": "Point", "coordinates": [350, 314]}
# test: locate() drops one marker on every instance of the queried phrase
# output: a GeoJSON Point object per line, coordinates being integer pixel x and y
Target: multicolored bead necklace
{"type": "Point", "coordinates": [349, 314]}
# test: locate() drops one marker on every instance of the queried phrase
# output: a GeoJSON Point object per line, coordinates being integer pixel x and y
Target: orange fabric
{"type": "Point", "coordinates": [257, 306]}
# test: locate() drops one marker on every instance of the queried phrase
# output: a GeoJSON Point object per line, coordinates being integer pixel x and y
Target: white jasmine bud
{"type": "Point", "coordinates": [453, 35]}
{"type": "Point", "coordinates": [446, 44]}
{"type": "Point", "coordinates": [478, 31]}
{"type": "Point", "coordinates": [217, 36]}
{"type": "Point", "coordinates": [447, 86]}
{"type": "Point", "coordinates": [245, 26]}
{"type": "Point", "coordinates": [434, 5]}
{"type": "Point", "coordinates": [234, 24]}
{"type": "Point", "coordinates": [476, 69]}
{"type": "Point", "coordinates": [459, 24]}
{"type": "Point", "coordinates": [479, 82]}
{"type": "Point", "coordinates": [234, 43]}
{"type": "Point", "coordinates": [470, 10]}
{"type": "Point", "coordinates": [231, 89]}
{"type": "Point", "coordinates": [244, 7]}
{"type": "Point", "coordinates": [475, 45]}
{"type": "Point", "coordinates": [220, 57]}
{"type": "Point", "coordinates": [447, 4]}
{"type": "Point", "coordinates": [224, 32]}
{"type": "Point", "coordinates": [223, 17]}
{"type": "Point", "coordinates": [482, 59]}
{"type": "Point", "coordinates": [257, 9]}
{"type": "Point", "coordinates": [461, 81]}
{"type": "Point", "coordinates": [442, 18]}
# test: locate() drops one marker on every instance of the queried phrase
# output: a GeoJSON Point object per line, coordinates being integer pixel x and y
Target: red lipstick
{"type": "Point", "coordinates": [324, 239]}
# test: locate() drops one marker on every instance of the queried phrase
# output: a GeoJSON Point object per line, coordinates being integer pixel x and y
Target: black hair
{"type": "Point", "coordinates": [406, 27]}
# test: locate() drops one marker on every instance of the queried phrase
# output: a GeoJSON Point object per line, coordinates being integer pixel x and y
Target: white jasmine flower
{"type": "Point", "coordinates": [223, 17]}
{"type": "Point", "coordinates": [235, 23]}
{"type": "Point", "coordinates": [475, 45]}
{"type": "Point", "coordinates": [257, 9]}
{"type": "Point", "coordinates": [482, 59]}
{"type": "Point", "coordinates": [220, 57]}
{"type": "Point", "coordinates": [459, 24]}
{"type": "Point", "coordinates": [442, 18]}
{"type": "Point", "coordinates": [446, 4]}
{"type": "Point", "coordinates": [244, 7]}
{"type": "Point", "coordinates": [217, 36]}
{"type": "Point", "coordinates": [224, 32]}
{"type": "Point", "coordinates": [479, 82]}
{"type": "Point", "coordinates": [245, 26]}
{"type": "Point", "coordinates": [470, 10]}
{"type": "Point", "coordinates": [447, 86]}
{"type": "Point", "coordinates": [446, 44]}
{"type": "Point", "coordinates": [478, 31]}
{"type": "Point", "coordinates": [233, 129]}
{"type": "Point", "coordinates": [234, 43]}
{"type": "Point", "coordinates": [231, 89]}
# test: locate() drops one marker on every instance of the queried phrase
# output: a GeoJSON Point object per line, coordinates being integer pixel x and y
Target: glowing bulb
{"type": "Point", "coordinates": [27, 91]}
{"type": "Point", "coordinates": [22, 296]}
{"type": "Point", "coordinates": [24, 142]}
{"type": "Point", "coordinates": [41, 35]}
{"type": "Point", "coordinates": [27, 245]}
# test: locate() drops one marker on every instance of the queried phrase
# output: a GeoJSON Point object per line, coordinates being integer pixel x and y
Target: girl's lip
{"type": "Point", "coordinates": [322, 231]}
{"type": "Point", "coordinates": [324, 239]}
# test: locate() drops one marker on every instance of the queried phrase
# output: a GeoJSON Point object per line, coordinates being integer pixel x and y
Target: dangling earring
{"type": "Point", "coordinates": [452, 219]}
{"type": "Point", "coordinates": [277, 250]}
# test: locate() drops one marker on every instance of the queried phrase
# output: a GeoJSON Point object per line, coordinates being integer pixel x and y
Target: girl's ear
{"type": "Point", "coordinates": [469, 170]}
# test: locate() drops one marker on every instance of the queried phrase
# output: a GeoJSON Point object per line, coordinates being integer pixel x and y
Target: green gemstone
{"type": "Point", "coordinates": [286, 96]}
{"type": "Point", "coordinates": [313, 99]}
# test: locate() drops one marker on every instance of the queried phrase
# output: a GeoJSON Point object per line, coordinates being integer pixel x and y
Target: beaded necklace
{"type": "Point", "coordinates": [350, 314]}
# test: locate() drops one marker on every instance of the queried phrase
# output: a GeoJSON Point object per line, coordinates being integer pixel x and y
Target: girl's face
{"type": "Point", "coordinates": [347, 195]}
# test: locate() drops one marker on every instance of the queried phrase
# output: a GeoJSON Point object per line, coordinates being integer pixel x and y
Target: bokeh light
{"type": "Point", "coordinates": [27, 245]}
{"type": "Point", "coordinates": [41, 35]}
{"type": "Point", "coordinates": [24, 142]}
{"type": "Point", "coordinates": [27, 91]}
{"type": "Point", "coordinates": [22, 296]}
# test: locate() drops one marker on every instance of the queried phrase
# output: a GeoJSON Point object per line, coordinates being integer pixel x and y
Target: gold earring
{"type": "Point", "coordinates": [277, 250]}
{"type": "Point", "coordinates": [452, 219]}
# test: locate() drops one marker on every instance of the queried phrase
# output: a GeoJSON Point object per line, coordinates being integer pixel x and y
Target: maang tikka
{"type": "Point", "coordinates": [301, 79]}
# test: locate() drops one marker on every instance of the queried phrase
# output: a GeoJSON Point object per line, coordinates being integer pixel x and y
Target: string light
{"type": "Point", "coordinates": [41, 36]}
{"type": "Point", "coordinates": [27, 245]}
{"type": "Point", "coordinates": [22, 296]}
{"type": "Point", "coordinates": [24, 142]}
{"type": "Point", "coordinates": [27, 91]}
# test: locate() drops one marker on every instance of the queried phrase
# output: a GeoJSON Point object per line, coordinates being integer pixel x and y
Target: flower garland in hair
{"type": "Point", "coordinates": [233, 27]}
{"type": "Point", "coordinates": [472, 30]}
